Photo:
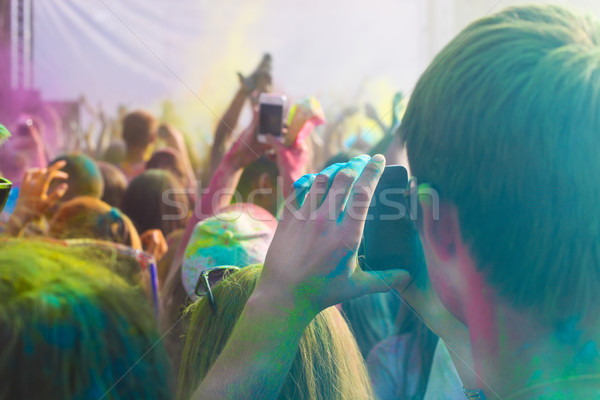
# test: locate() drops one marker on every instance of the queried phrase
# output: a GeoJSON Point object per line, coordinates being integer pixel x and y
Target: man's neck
{"type": "Point", "coordinates": [136, 155]}
{"type": "Point", "coordinates": [524, 357]}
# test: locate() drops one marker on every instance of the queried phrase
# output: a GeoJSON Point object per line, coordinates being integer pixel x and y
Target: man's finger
{"type": "Point", "coordinates": [164, 247]}
{"type": "Point", "coordinates": [27, 177]}
{"type": "Point", "coordinates": [294, 201]}
{"type": "Point", "coordinates": [342, 183]}
{"type": "Point", "coordinates": [57, 194]}
{"type": "Point", "coordinates": [319, 188]}
{"type": "Point", "coordinates": [378, 281]}
{"type": "Point", "coordinates": [57, 165]}
{"type": "Point", "coordinates": [150, 245]}
{"type": "Point", "coordinates": [51, 175]}
{"type": "Point", "coordinates": [301, 188]}
{"type": "Point", "coordinates": [359, 200]}
{"type": "Point", "coordinates": [274, 143]}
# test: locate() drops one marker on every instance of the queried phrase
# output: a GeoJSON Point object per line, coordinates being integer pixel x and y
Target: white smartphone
{"type": "Point", "coordinates": [270, 116]}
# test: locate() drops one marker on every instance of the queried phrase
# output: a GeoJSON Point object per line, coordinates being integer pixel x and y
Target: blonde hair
{"type": "Point", "coordinates": [328, 363]}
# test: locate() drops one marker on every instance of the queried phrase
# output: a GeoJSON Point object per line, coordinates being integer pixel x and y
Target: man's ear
{"type": "Point", "coordinates": [441, 228]}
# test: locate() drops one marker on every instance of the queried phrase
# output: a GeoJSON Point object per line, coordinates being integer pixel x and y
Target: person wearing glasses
{"type": "Point", "coordinates": [504, 125]}
{"type": "Point", "coordinates": [328, 364]}
{"type": "Point", "coordinates": [216, 202]}
{"type": "Point", "coordinates": [237, 236]}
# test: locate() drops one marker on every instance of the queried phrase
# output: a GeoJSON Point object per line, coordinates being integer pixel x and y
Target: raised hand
{"type": "Point", "coordinates": [312, 258]}
{"type": "Point", "coordinates": [246, 148]}
{"type": "Point", "coordinates": [260, 80]}
{"type": "Point", "coordinates": [371, 112]}
{"type": "Point", "coordinates": [154, 242]}
{"type": "Point", "coordinates": [291, 161]}
{"type": "Point", "coordinates": [171, 136]}
{"type": "Point", "coordinates": [34, 194]}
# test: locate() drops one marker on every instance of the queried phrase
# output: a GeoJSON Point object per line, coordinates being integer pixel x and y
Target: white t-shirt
{"type": "Point", "coordinates": [444, 383]}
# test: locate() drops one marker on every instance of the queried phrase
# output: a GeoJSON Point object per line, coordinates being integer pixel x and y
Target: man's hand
{"type": "Point", "coordinates": [259, 81]}
{"type": "Point", "coordinates": [371, 112]}
{"type": "Point", "coordinates": [154, 242]}
{"type": "Point", "coordinates": [34, 196]}
{"type": "Point", "coordinates": [310, 265]}
{"type": "Point", "coordinates": [291, 162]}
{"type": "Point", "coordinates": [247, 148]}
{"type": "Point", "coordinates": [312, 259]}
{"type": "Point", "coordinates": [171, 136]}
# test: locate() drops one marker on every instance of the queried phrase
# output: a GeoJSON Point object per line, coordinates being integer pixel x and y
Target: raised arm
{"type": "Point", "coordinates": [291, 163]}
{"type": "Point", "coordinates": [223, 184]}
{"type": "Point", "coordinates": [225, 128]}
{"type": "Point", "coordinates": [174, 138]}
{"type": "Point", "coordinates": [36, 196]}
{"type": "Point", "coordinates": [258, 81]}
{"type": "Point", "coordinates": [373, 115]}
{"type": "Point", "coordinates": [310, 265]}
{"type": "Point", "coordinates": [103, 137]}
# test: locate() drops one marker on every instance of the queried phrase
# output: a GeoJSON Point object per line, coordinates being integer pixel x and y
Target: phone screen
{"type": "Point", "coordinates": [270, 121]}
{"type": "Point", "coordinates": [390, 239]}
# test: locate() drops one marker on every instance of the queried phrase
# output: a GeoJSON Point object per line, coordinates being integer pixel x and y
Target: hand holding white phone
{"type": "Point", "coordinates": [270, 116]}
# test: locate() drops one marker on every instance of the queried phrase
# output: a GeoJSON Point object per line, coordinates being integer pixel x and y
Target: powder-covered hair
{"type": "Point", "coordinates": [170, 160]}
{"type": "Point", "coordinates": [85, 178]}
{"type": "Point", "coordinates": [115, 183]}
{"type": "Point", "coordinates": [505, 124]}
{"type": "Point", "coordinates": [328, 363]}
{"type": "Point", "coordinates": [91, 218]}
{"type": "Point", "coordinates": [156, 200]}
{"type": "Point", "coordinates": [71, 329]}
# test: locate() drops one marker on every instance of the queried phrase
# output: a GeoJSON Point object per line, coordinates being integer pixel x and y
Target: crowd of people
{"type": "Point", "coordinates": [129, 269]}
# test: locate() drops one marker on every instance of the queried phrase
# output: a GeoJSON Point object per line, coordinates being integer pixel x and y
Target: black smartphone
{"type": "Point", "coordinates": [390, 238]}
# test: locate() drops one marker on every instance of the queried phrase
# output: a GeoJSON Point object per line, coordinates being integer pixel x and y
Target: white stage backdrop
{"type": "Point", "coordinates": [142, 52]}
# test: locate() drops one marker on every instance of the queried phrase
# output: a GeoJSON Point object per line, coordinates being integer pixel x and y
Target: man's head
{"type": "Point", "coordinates": [75, 327]}
{"type": "Point", "coordinates": [168, 159]}
{"type": "Point", "coordinates": [139, 130]}
{"type": "Point", "coordinates": [85, 178]}
{"type": "Point", "coordinates": [91, 218]}
{"type": "Point", "coordinates": [327, 364]}
{"type": "Point", "coordinates": [156, 200]}
{"type": "Point", "coordinates": [505, 125]}
{"type": "Point", "coordinates": [115, 183]}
